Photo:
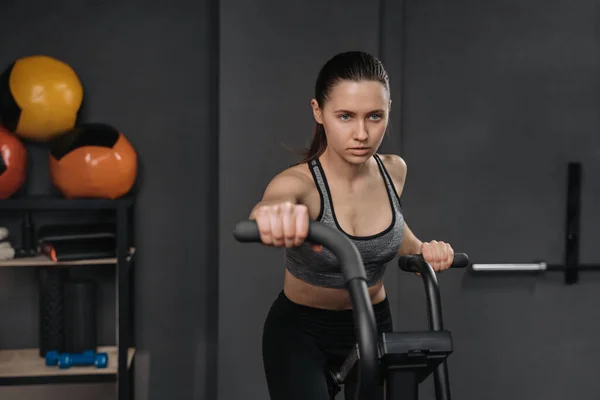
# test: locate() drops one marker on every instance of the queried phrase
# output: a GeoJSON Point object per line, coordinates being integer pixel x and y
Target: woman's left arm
{"type": "Point", "coordinates": [438, 254]}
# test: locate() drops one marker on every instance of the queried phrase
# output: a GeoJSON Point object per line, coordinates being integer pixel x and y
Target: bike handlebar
{"type": "Point", "coordinates": [356, 281]}
{"type": "Point", "coordinates": [416, 262]}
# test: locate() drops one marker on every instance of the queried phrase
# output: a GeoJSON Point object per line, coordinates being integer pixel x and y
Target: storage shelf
{"type": "Point", "coordinates": [61, 203]}
{"type": "Point", "coordinates": [25, 366]}
{"type": "Point", "coordinates": [44, 261]}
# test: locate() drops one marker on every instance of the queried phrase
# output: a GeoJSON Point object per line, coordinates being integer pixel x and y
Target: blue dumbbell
{"type": "Point", "coordinates": [66, 360]}
{"type": "Point", "coordinates": [53, 356]}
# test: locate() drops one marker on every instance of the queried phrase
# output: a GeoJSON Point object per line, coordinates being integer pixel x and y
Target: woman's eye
{"type": "Point", "coordinates": [376, 116]}
{"type": "Point", "coordinates": [344, 117]}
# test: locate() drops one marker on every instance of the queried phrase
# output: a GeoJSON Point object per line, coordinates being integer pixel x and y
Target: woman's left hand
{"type": "Point", "coordinates": [439, 255]}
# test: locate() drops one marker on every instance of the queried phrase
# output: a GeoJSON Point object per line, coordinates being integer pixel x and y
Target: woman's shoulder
{"type": "Point", "coordinates": [297, 176]}
{"type": "Point", "coordinates": [395, 165]}
{"type": "Point", "coordinates": [298, 171]}
{"type": "Point", "coordinates": [396, 168]}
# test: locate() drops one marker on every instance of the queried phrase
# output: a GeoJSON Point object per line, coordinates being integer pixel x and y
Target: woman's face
{"type": "Point", "coordinates": [355, 118]}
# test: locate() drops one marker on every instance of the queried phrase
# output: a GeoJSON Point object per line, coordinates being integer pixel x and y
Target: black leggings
{"type": "Point", "coordinates": [302, 344]}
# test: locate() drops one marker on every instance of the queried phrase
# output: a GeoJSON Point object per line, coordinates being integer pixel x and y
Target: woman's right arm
{"type": "Point", "coordinates": [281, 217]}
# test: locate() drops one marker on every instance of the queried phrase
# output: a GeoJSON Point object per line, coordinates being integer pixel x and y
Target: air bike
{"type": "Point", "coordinates": [398, 360]}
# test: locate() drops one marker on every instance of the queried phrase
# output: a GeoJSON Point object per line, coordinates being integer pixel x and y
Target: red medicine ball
{"type": "Point", "coordinates": [13, 163]}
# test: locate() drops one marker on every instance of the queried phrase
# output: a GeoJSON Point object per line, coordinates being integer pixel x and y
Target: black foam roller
{"type": "Point", "coordinates": [80, 316]}
{"type": "Point", "coordinates": [51, 312]}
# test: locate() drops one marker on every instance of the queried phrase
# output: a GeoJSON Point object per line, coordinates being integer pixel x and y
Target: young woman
{"type": "Point", "coordinates": [345, 183]}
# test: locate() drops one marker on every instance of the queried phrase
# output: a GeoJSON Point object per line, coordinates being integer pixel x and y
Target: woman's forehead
{"type": "Point", "coordinates": [359, 95]}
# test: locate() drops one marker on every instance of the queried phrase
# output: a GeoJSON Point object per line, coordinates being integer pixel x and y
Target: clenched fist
{"type": "Point", "coordinates": [283, 224]}
{"type": "Point", "coordinates": [439, 255]}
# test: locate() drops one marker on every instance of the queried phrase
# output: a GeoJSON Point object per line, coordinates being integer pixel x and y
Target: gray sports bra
{"type": "Point", "coordinates": [323, 269]}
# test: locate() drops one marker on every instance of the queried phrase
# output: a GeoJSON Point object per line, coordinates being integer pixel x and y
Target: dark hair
{"type": "Point", "coordinates": [348, 66]}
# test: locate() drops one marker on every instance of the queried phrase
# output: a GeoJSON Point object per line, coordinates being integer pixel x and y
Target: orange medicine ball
{"type": "Point", "coordinates": [93, 161]}
{"type": "Point", "coordinates": [13, 163]}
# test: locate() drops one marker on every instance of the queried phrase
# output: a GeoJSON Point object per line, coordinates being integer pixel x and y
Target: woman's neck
{"type": "Point", "coordinates": [341, 168]}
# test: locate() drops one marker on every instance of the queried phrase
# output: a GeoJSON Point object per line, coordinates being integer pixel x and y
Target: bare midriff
{"type": "Point", "coordinates": [303, 293]}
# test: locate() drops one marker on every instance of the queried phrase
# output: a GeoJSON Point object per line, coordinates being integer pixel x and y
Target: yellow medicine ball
{"type": "Point", "coordinates": [40, 97]}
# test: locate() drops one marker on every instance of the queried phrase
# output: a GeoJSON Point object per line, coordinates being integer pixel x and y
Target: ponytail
{"type": "Point", "coordinates": [317, 145]}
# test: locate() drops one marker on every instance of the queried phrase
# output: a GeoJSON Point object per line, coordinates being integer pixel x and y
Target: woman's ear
{"type": "Point", "coordinates": [317, 113]}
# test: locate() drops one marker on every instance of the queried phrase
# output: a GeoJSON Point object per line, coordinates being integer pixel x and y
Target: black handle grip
{"type": "Point", "coordinates": [416, 262]}
{"type": "Point", "coordinates": [355, 278]}
{"type": "Point", "coordinates": [247, 232]}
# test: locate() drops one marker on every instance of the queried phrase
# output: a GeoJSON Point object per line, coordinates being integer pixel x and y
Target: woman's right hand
{"type": "Point", "coordinates": [283, 224]}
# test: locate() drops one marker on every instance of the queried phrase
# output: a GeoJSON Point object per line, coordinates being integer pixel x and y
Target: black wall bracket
{"type": "Point", "coordinates": [573, 223]}
{"type": "Point", "coordinates": [571, 266]}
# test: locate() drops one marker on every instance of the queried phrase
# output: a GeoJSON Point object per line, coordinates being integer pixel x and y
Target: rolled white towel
{"type": "Point", "coordinates": [3, 233]}
{"type": "Point", "coordinates": [6, 245]}
{"type": "Point", "coordinates": [7, 254]}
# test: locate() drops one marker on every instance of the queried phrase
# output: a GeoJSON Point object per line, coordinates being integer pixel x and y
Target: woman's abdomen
{"type": "Point", "coordinates": [301, 292]}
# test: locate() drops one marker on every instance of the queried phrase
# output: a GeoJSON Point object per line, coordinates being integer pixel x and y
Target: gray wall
{"type": "Point", "coordinates": [499, 96]}
{"type": "Point", "coordinates": [150, 71]}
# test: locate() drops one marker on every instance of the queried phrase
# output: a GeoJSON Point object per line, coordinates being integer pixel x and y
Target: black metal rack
{"type": "Point", "coordinates": [124, 351]}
